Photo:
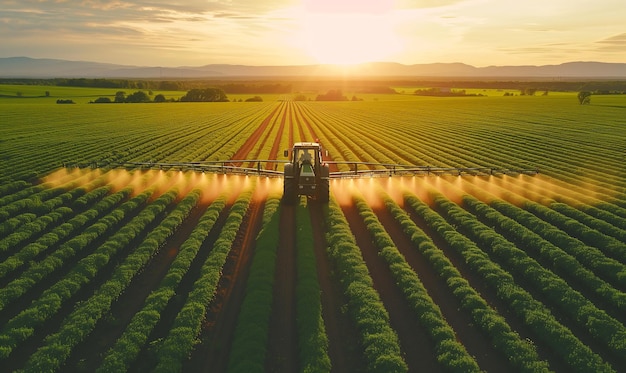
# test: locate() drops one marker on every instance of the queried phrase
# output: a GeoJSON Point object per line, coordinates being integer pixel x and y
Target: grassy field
{"type": "Point", "coordinates": [29, 94]}
{"type": "Point", "coordinates": [146, 270]}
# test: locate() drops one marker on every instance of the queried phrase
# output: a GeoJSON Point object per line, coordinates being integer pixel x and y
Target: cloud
{"type": "Point", "coordinates": [613, 44]}
{"type": "Point", "coordinates": [617, 40]}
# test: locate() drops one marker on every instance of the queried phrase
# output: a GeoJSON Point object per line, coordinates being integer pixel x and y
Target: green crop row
{"type": "Point", "coordinates": [48, 304]}
{"type": "Point", "coordinates": [593, 258]}
{"type": "Point", "coordinates": [520, 353]}
{"type": "Point", "coordinates": [534, 314]}
{"type": "Point", "coordinates": [10, 188]}
{"type": "Point", "coordinates": [581, 202]}
{"type": "Point", "coordinates": [550, 253]}
{"type": "Point", "coordinates": [77, 326]}
{"type": "Point", "coordinates": [90, 198]}
{"type": "Point", "coordinates": [124, 135]}
{"type": "Point", "coordinates": [570, 302]}
{"type": "Point", "coordinates": [609, 245]}
{"type": "Point", "coordinates": [249, 347]}
{"type": "Point", "coordinates": [578, 216]}
{"type": "Point", "coordinates": [34, 202]}
{"type": "Point", "coordinates": [128, 346]}
{"type": "Point", "coordinates": [39, 271]}
{"type": "Point", "coordinates": [451, 354]}
{"type": "Point", "coordinates": [30, 231]}
{"type": "Point", "coordinates": [42, 199]}
{"type": "Point", "coordinates": [63, 231]}
{"type": "Point", "coordinates": [11, 224]}
{"type": "Point", "coordinates": [180, 340]}
{"type": "Point", "coordinates": [381, 347]}
{"type": "Point", "coordinates": [442, 138]}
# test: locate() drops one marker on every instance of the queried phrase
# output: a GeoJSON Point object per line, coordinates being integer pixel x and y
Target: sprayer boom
{"type": "Point", "coordinates": [265, 167]}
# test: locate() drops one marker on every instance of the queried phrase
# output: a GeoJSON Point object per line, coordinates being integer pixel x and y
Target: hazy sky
{"type": "Point", "coordinates": [297, 32]}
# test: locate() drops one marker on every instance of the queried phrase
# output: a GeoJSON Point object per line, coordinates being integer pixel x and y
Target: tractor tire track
{"type": "Point", "coordinates": [342, 335]}
{"type": "Point", "coordinates": [276, 145]}
{"type": "Point", "coordinates": [417, 347]}
{"type": "Point", "coordinates": [291, 123]}
{"type": "Point", "coordinates": [213, 352]}
{"type": "Point", "coordinates": [246, 148]}
{"type": "Point", "coordinates": [326, 158]}
{"type": "Point", "coordinates": [283, 339]}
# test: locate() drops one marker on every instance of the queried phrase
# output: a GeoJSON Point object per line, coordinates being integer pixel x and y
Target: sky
{"type": "Point", "coordinates": [302, 32]}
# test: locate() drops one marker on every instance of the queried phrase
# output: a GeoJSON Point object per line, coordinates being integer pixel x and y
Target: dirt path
{"type": "Point", "coordinates": [247, 147]}
{"type": "Point", "coordinates": [89, 354]}
{"type": "Point", "coordinates": [291, 124]}
{"type": "Point", "coordinates": [283, 338]}
{"type": "Point", "coordinates": [212, 354]}
{"type": "Point", "coordinates": [417, 348]}
{"type": "Point", "coordinates": [218, 329]}
{"type": "Point", "coordinates": [342, 336]}
{"type": "Point", "coordinates": [276, 145]}
{"type": "Point", "coordinates": [476, 343]}
{"type": "Point", "coordinates": [326, 158]}
{"type": "Point", "coordinates": [513, 320]}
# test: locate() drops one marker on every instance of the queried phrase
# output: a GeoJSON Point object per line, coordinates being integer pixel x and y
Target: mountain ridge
{"type": "Point", "coordinates": [26, 67]}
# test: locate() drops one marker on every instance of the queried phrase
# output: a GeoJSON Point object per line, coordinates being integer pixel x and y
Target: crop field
{"type": "Point", "coordinates": [112, 270]}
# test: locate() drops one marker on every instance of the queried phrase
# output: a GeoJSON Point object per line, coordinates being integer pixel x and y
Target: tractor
{"type": "Point", "coordinates": [306, 174]}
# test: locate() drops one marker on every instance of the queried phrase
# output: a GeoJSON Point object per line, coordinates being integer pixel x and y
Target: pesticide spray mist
{"type": "Point", "coordinates": [514, 189]}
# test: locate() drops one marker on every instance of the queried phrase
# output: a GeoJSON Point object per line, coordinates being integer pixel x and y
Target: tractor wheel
{"type": "Point", "coordinates": [289, 192]}
{"type": "Point", "coordinates": [323, 191]}
{"type": "Point", "coordinates": [289, 185]}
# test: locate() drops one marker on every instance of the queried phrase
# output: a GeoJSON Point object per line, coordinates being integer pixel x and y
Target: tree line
{"type": "Point", "coordinates": [193, 95]}
{"type": "Point", "coordinates": [365, 86]}
{"type": "Point", "coordinates": [162, 85]}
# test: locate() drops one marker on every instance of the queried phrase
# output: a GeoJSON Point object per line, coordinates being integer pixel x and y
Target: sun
{"type": "Point", "coordinates": [348, 32]}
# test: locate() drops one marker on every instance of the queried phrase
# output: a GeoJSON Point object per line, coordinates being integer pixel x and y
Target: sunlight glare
{"type": "Point", "coordinates": [348, 32]}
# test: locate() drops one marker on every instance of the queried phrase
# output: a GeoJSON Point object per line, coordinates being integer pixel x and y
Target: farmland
{"type": "Point", "coordinates": [163, 270]}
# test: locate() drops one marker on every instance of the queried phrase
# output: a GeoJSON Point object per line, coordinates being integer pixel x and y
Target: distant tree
{"type": "Point", "coordinates": [47, 93]}
{"type": "Point", "coordinates": [102, 100]}
{"type": "Point", "coordinates": [299, 98]}
{"type": "Point", "coordinates": [139, 96]}
{"type": "Point", "coordinates": [332, 95]}
{"type": "Point", "coordinates": [255, 99]}
{"type": "Point", "coordinates": [205, 95]}
{"type": "Point", "coordinates": [120, 96]}
{"type": "Point", "coordinates": [159, 98]}
{"type": "Point", "coordinates": [584, 97]}
{"type": "Point", "coordinates": [59, 101]}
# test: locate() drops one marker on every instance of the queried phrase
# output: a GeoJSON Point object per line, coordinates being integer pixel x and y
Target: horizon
{"type": "Point", "coordinates": [478, 33]}
{"type": "Point", "coordinates": [337, 65]}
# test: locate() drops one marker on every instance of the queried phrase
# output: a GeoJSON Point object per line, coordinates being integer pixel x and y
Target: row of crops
{"type": "Point", "coordinates": [114, 270]}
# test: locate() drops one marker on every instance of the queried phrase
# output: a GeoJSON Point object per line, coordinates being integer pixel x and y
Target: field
{"type": "Point", "coordinates": [163, 270]}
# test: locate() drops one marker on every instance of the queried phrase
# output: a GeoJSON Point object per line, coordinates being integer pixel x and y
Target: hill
{"type": "Point", "coordinates": [25, 67]}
